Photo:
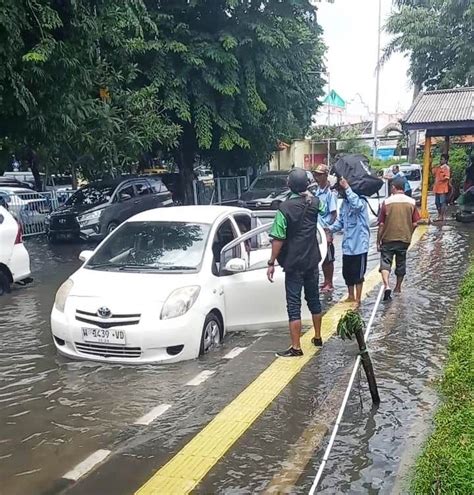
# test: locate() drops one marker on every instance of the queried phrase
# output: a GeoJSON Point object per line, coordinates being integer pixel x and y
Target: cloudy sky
{"type": "Point", "coordinates": [350, 33]}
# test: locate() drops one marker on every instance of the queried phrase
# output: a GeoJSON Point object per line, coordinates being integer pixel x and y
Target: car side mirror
{"type": "Point", "coordinates": [235, 265]}
{"type": "Point", "coordinates": [124, 197]}
{"type": "Point", "coordinates": [85, 255]}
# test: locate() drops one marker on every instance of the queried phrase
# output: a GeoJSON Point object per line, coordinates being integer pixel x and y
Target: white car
{"type": "Point", "coordinates": [167, 284]}
{"type": "Point", "coordinates": [413, 173]}
{"type": "Point", "coordinates": [14, 258]}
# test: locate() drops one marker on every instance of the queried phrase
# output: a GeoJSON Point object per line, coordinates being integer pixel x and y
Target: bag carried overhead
{"type": "Point", "coordinates": [356, 170]}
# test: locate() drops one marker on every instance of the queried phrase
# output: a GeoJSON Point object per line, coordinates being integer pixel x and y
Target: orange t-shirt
{"type": "Point", "coordinates": [442, 175]}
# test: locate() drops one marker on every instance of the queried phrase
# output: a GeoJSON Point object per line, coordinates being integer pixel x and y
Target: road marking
{"type": "Point", "coordinates": [234, 352]}
{"type": "Point", "coordinates": [147, 418]}
{"type": "Point", "coordinates": [191, 464]}
{"type": "Point", "coordinates": [200, 378]}
{"type": "Point", "coordinates": [87, 465]}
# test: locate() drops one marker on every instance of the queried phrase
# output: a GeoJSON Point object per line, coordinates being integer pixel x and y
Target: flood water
{"type": "Point", "coordinates": [54, 412]}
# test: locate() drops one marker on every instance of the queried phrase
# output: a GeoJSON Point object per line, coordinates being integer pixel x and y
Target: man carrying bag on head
{"type": "Point", "coordinates": [295, 246]}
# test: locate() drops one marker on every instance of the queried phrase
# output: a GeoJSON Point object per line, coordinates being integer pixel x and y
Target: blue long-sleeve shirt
{"type": "Point", "coordinates": [353, 219]}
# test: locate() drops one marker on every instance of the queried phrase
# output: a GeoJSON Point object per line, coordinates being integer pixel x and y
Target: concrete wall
{"type": "Point", "coordinates": [299, 155]}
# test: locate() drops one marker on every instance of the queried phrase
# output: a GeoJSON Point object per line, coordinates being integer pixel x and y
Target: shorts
{"type": "Point", "coordinates": [331, 254]}
{"type": "Point", "coordinates": [294, 283]}
{"type": "Point", "coordinates": [441, 200]}
{"type": "Point", "coordinates": [353, 268]}
{"type": "Point", "coordinates": [397, 249]}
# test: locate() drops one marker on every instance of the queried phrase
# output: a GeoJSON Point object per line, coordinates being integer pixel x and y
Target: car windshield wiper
{"type": "Point", "coordinates": [107, 264]}
{"type": "Point", "coordinates": [157, 268]}
{"type": "Point", "coordinates": [178, 267]}
{"type": "Point", "coordinates": [138, 267]}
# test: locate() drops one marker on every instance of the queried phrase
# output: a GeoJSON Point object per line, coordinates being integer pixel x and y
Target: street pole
{"type": "Point", "coordinates": [377, 81]}
{"type": "Point", "coordinates": [329, 118]}
{"type": "Point", "coordinates": [329, 99]}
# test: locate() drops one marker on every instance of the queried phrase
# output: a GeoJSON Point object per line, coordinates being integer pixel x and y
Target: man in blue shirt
{"type": "Point", "coordinates": [353, 219]}
{"type": "Point", "coordinates": [328, 199]}
{"type": "Point", "coordinates": [396, 173]}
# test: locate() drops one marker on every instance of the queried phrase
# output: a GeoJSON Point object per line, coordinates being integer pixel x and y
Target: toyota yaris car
{"type": "Point", "coordinates": [167, 284]}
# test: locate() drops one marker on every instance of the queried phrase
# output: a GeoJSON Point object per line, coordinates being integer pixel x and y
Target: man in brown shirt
{"type": "Point", "coordinates": [398, 219]}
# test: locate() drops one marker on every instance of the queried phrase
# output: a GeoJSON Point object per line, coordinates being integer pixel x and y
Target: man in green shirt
{"type": "Point", "coordinates": [295, 246]}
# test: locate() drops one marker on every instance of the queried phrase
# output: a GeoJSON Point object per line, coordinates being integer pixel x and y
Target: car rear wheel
{"type": "Point", "coordinates": [111, 227]}
{"type": "Point", "coordinates": [212, 333]}
{"type": "Point", "coordinates": [4, 283]}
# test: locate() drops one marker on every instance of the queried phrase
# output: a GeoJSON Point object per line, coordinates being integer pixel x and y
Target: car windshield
{"type": "Point", "coordinates": [160, 246]}
{"type": "Point", "coordinates": [413, 175]}
{"type": "Point", "coordinates": [92, 195]}
{"type": "Point", "coordinates": [275, 182]}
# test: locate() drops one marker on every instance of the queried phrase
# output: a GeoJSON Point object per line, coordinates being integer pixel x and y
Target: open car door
{"type": "Point", "coordinates": [251, 301]}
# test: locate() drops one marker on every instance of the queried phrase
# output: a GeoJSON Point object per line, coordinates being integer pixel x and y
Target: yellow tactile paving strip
{"type": "Point", "coordinates": [190, 465]}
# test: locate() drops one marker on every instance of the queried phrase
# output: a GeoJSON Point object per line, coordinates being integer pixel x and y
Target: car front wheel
{"type": "Point", "coordinates": [212, 333]}
{"type": "Point", "coordinates": [111, 227]}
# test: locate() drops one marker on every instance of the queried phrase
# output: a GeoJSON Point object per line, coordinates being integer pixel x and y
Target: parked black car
{"type": "Point", "coordinates": [97, 209]}
{"type": "Point", "coordinates": [267, 191]}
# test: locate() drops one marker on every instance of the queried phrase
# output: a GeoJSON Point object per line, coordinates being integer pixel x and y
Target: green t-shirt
{"type": "Point", "coordinates": [279, 226]}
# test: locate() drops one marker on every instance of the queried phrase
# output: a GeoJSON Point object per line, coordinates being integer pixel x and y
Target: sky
{"type": "Point", "coordinates": [350, 33]}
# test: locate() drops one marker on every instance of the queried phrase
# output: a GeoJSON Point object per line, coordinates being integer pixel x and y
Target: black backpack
{"type": "Point", "coordinates": [356, 170]}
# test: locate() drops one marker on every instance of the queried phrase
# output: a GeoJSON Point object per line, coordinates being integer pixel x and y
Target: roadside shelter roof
{"type": "Point", "coordinates": [444, 112]}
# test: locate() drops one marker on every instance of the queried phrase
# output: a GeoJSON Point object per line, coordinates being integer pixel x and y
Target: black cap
{"type": "Point", "coordinates": [298, 180]}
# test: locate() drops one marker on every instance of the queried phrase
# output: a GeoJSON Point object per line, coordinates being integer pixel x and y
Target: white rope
{"type": "Point", "coordinates": [317, 479]}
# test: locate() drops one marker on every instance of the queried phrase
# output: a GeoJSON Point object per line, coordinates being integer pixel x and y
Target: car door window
{"type": "Point", "coordinates": [225, 233]}
{"type": "Point", "coordinates": [158, 186]}
{"type": "Point", "coordinates": [260, 247]}
{"type": "Point", "coordinates": [126, 193]}
{"type": "Point", "coordinates": [257, 248]}
{"type": "Point", "coordinates": [143, 188]}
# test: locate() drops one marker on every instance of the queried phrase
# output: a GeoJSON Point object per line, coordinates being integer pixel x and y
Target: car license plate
{"type": "Point", "coordinates": [103, 335]}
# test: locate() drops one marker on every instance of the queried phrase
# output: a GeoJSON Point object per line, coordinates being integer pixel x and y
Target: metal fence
{"type": "Point", "coordinates": [219, 190]}
{"type": "Point", "coordinates": [32, 208]}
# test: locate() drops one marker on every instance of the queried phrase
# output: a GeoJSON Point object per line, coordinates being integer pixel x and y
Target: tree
{"type": "Point", "coordinates": [238, 75]}
{"type": "Point", "coordinates": [58, 58]}
{"type": "Point", "coordinates": [96, 84]}
{"type": "Point", "coordinates": [438, 37]}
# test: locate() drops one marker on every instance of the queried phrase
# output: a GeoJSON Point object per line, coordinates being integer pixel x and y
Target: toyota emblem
{"type": "Point", "coordinates": [104, 312]}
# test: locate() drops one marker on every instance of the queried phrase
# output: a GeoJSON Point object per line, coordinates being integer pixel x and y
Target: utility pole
{"type": "Point", "coordinates": [377, 81]}
{"type": "Point", "coordinates": [329, 98]}
{"type": "Point", "coordinates": [328, 159]}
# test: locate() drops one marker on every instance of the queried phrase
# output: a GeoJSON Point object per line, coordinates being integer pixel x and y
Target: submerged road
{"type": "Point", "coordinates": [89, 428]}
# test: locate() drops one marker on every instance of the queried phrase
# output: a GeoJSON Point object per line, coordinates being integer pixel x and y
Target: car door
{"type": "Point", "coordinates": [145, 199]}
{"type": "Point", "coordinates": [124, 205]}
{"type": "Point", "coordinates": [251, 301]}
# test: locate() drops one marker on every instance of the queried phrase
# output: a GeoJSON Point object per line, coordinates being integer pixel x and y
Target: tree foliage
{"type": "Point", "coordinates": [97, 83]}
{"type": "Point", "coordinates": [438, 37]}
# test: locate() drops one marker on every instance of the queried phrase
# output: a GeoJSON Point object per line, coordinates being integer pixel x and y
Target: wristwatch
{"type": "Point", "coordinates": [270, 263]}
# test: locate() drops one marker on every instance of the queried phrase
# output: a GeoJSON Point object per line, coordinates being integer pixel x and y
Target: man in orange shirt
{"type": "Point", "coordinates": [442, 174]}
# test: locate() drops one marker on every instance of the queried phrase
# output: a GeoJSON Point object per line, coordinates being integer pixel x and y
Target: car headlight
{"type": "Point", "coordinates": [62, 295]}
{"type": "Point", "coordinates": [89, 218]}
{"type": "Point", "coordinates": [180, 302]}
